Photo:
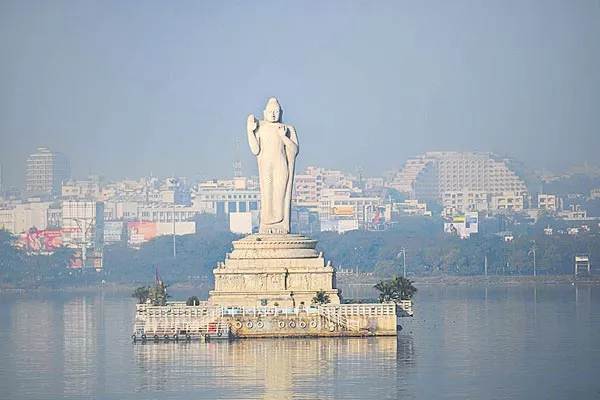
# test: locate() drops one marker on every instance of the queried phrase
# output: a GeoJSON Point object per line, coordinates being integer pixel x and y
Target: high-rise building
{"type": "Point", "coordinates": [46, 171]}
{"type": "Point", "coordinates": [432, 175]}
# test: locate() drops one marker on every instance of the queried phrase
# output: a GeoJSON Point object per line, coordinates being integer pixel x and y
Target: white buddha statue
{"type": "Point", "coordinates": [275, 146]}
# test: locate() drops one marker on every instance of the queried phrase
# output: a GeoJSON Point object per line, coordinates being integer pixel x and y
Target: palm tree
{"type": "Point", "coordinates": [404, 287]}
{"type": "Point", "coordinates": [396, 289]}
{"type": "Point", "coordinates": [321, 297]}
{"type": "Point", "coordinates": [386, 291]}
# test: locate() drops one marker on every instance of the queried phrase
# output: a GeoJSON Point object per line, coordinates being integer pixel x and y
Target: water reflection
{"type": "Point", "coordinates": [464, 342]}
{"type": "Point", "coordinates": [275, 368]}
{"type": "Point", "coordinates": [80, 346]}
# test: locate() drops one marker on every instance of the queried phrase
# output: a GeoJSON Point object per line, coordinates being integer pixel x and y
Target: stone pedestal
{"type": "Point", "coordinates": [269, 269]}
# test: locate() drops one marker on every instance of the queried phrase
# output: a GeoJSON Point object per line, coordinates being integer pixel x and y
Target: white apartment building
{"type": "Point", "coordinates": [7, 219]}
{"type": "Point", "coordinates": [548, 202]}
{"type": "Point", "coordinates": [408, 207]}
{"type": "Point", "coordinates": [508, 201]}
{"type": "Point", "coordinates": [341, 205]}
{"type": "Point", "coordinates": [166, 213]}
{"type": "Point", "coordinates": [430, 176]}
{"type": "Point", "coordinates": [222, 201]}
{"type": "Point", "coordinates": [305, 191]}
{"type": "Point", "coordinates": [121, 211]}
{"type": "Point", "coordinates": [460, 202]}
{"type": "Point", "coordinates": [574, 213]}
{"type": "Point", "coordinates": [46, 171]}
{"type": "Point", "coordinates": [84, 189]}
{"type": "Point", "coordinates": [19, 218]}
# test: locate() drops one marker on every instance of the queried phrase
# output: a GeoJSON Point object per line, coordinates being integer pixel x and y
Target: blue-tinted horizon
{"type": "Point", "coordinates": [128, 88]}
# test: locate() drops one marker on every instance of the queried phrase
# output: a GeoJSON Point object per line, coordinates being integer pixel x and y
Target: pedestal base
{"type": "Point", "coordinates": [268, 269]}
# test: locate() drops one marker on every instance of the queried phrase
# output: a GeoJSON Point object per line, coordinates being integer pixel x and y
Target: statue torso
{"type": "Point", "coordinates": [271, 144]}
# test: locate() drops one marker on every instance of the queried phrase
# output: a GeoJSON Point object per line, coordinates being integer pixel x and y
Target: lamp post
{"type": "Point", "coordinates": [532, 251]}
{"type": "Point", "coordinates": [403, 252]}
{"type": "Point", "coordinates": [175, 183]}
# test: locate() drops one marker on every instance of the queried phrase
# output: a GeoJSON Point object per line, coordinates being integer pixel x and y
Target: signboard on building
{"type": "Point", "coordinates": [113, 231]}
{"type": "Point", "coordinates": [342, 210]}
{"type": "Point", "coordinates": [140, 232]}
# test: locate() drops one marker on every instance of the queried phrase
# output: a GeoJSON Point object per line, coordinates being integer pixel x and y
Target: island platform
{"type": "Point", "coordinates": [206, 321]}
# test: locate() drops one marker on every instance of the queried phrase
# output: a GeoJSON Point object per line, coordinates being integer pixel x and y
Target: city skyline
{"type": "Point", "coordinates": [125, 90]}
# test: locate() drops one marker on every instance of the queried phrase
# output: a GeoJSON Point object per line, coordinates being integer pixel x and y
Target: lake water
{"type": "Point", "coordinates": [500, 342]}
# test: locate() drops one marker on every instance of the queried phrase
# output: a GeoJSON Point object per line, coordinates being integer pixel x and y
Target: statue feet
{"type": "Point", "coordinates": [273, 230]}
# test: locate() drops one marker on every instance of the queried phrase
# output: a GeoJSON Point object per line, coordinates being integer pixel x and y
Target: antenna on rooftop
{"type": "Point", "coordinates": [237, 165]}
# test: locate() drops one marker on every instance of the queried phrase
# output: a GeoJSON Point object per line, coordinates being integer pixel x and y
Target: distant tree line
{"type": "Point", "coordinates": [429, 252]}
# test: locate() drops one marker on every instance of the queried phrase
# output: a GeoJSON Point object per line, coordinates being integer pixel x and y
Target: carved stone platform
{"type": "Point", "coordinates": [269, 269]}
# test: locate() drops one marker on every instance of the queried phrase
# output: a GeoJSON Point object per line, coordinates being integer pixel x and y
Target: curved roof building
{"type": "Point", "coordinates": [429, 176]}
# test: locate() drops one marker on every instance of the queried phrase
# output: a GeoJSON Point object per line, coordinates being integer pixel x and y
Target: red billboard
{"type": "Point", "coordinates": [43, 240]}
{"type": "Point", "coordinates": [139, 232]}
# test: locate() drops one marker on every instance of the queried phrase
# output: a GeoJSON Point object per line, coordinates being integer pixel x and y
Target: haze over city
{"type": "Point", "coordinates": [129, 88]}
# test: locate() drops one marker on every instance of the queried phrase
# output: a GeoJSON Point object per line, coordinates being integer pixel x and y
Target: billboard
{"type": "Point", "coordinates": [342, 210]}
{"type": "Point", "coordinates": [139, 232]}
{"type": "Point", "coordinates": [181, 228]}
{"type": "Point", "coordinates": [113, 231]}
{"type": "Point", "coordinates": [72, 236]}
{"type": "Point", "coordinates": [463, 226]}
{"type": "Point", "coordinates": [42, 240]}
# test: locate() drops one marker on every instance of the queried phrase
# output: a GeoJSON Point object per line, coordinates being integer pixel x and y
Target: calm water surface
{"type": "Point", "coordinates": [503, 342]}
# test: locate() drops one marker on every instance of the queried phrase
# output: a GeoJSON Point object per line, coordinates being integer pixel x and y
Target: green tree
{"type": "Point", "coordinates": [321, 297]}
{"type": "Point", "coordinates": [192, 301]}
{"type": "Point", "coordinates": [158, 294]}
{"type": "Point", "coordinates": [141, 294]}
{"type": "Point", "coordinates": [395, 289]}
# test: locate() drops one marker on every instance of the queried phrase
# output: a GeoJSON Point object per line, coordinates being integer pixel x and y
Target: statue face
{"type": "Point", "coordinates": [272, 114]}
{"type": "Point", "coordinates": [272, 110]}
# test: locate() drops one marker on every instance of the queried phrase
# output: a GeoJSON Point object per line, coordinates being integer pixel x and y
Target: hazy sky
{"type": "Point", "coordinates": [125, 88]}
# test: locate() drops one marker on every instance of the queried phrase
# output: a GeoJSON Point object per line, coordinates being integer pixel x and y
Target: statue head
{"type": "Point", "coordinates": [273, 111]}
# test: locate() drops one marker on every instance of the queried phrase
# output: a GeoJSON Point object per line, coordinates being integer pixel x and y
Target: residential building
{"type": "Point", "coordinates": [430, 176]}
{"type": "Point", "coordinates": [342, 207]}
{"type": "Point", "coordinates": [508, 201]}
{"type": "Point", "coordinates": [547, 202]}
{"type": "Point", "coordinates": [305, 191]}
{"type": "Point", "coordinates": [223, 201]}
{"type": "Point", "coordinates": [165, 213]}
{"type": "Point", "coordinates": [406, 208]}
{"type": "Point", "coordinates": [46, 171]}
{"type": "Point", "coordinates": [460, 202]}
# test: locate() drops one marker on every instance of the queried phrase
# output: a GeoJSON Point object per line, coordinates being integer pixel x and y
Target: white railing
{"type": "Point", "coordinates": [367, 310]}
{"type": "Point", "coordinates": [406, 306]}
{"type": "Point", "coordinates": [332, 314]}
{"type": "Point", "coordinates": [177, 318]}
